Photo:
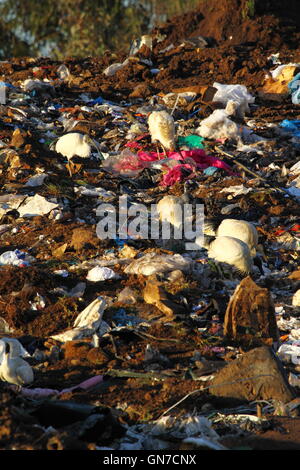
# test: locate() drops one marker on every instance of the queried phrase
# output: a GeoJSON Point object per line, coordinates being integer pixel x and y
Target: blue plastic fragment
{"type": "Point", "coordinates": [98, 100]}
{"type": "Point", "coordinates": [120, 242]}
{"type": "Point", "coordinates": [194, 112]}
{"type": "Point", "coordinates": [7, 85]}
{"type": "Point", "coordinates": [211, 170]}
{"type": "Point", "coordinates": [121, 318]}
{"type": "Point", "coordinates": [291, 126]}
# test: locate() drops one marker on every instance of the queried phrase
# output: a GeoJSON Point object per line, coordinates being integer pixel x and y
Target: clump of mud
{"type": "Point", "coordinates": [269, 23]}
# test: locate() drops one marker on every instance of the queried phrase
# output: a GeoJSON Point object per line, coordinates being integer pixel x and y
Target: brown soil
{"type": "Point", "coordinates": [232, 22]}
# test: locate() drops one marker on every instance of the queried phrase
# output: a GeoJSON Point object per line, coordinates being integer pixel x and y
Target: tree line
{"type": "Point", "coordinates": [79, 28]}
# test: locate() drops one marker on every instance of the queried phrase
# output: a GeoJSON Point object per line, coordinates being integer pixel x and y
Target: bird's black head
{"type": "Point", "coordinates": [257, 262]}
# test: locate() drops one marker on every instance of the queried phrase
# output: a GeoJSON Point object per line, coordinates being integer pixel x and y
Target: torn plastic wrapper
{"type": "Point", "coordinates": [36, 205]}
{"type": "Point", "coordinates": [125, 164]}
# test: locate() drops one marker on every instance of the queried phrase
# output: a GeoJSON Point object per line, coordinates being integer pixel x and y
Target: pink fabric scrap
{"type": "Point", "coordinates": [198, 155]}
{"type": "Point", "coordinates": [175, 175]}
{"type": "Point", "coordinates": [48, 392]}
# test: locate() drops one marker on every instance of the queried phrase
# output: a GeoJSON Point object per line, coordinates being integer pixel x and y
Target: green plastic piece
{"type": "Point", "coordinates": [191, 141]}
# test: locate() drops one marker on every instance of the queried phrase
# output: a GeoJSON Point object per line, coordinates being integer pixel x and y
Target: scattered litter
{"type": "Point", "coordinates": [115, 334]}
{"type": "Point", "coordinates": [16, 258]}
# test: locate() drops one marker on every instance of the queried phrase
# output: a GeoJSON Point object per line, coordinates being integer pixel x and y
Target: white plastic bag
{"type": "Point", "coordinates": [99, 273]}
{"type": "Point", "coordinates": [290, 353]}
{"type": "Point", "coordinates": [15, 258]}
{"type": "Point", "coordinates": [237, 93]}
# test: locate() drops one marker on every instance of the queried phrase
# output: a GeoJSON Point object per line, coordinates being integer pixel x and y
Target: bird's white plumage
{"type": "Point", "coordinates": [16, 349]}
{"type": "Point", "coordinates": [162, 128]}
{"type": "Point", "coordinates": [240, 229]}
{"type": "Point", "coordinates": [73, 144]}
{"type": "Point", "coordinates": [232, 251]}
{"type": "Point", "coordinates": [13, 369]}
{"type": "Point", "coordinates": [170, 209]}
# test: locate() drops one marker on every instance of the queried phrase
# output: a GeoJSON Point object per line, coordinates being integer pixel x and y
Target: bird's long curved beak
{"type": "Point", "coordinates": [258, 263]}
{"type": "Point", "coordinates": [97, 147]}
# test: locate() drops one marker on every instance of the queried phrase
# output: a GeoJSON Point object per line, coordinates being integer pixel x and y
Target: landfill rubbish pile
{"type": "Point", "coordinates": [130, 341]}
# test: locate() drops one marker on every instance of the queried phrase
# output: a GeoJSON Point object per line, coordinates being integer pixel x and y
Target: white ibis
{"type": "Point", "coordinates": [170, 208]}
{"type": "Point", "coordinates": [240, 229]}
{"type": "Point", "coordinates": [162, 129]}
{"type": "Point", "coordinates": [74, 143]}
{"type": "Point", "coordinates": [13, 368]}
{"type": "Point", "coordinates": [232, 251]}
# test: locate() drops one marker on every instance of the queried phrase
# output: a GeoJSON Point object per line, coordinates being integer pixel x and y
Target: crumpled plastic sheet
{"type": "Point", "coordinates": [237, 93]}
{"type": "Point", "coordinates": [99, 273]}
{"type": "Point", "coordinates": [36, 180]}
{"type": "Point", "coordinates": [16, 258]}
{"type": "Point", "coordinates": [36, 205]}
{"type": "Point", "coordinates": [177, 174]}
{"type": "Point", "coordinates": [219, 126]}
{"type": "Point", "coordinates": [158, 435]}
{"type": "Point", "coordinates": [125, 164]}
{"type": "Point", "coordinates": [191, 141]}
{"type": "Point", "coordinates": [151, 263]}
{"type": "Point", "coordinates": [199, 156]}
{"type": "Point", "coordinates": [290, 352]}
{"type": "Point", "coordinates": [236, 190]}
{"type": "Point", "coordinates": [294, 87]}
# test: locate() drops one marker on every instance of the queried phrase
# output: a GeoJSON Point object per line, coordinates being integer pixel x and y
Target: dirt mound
{"type": "Point", "coordinates": [272, 24]}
